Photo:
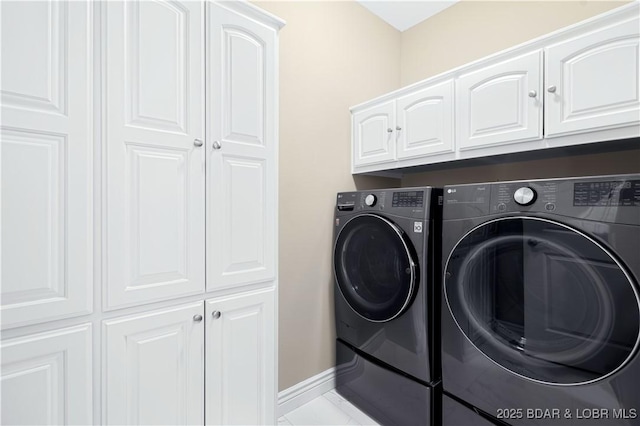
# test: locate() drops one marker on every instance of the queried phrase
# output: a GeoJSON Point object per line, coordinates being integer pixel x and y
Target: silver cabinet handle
{"type": "Point", "coordinates": [217, 145]}
{"type": "Point", "coordinates": [533, 93]}
{"type": "Point", "coordinates": [389, 130]}
{"type": "Point", "coordinates": [398, 128]}
{"type": "Point", "coordinates": [216, 314]}
{"type": "Point", "coordinates": [551, 89]}
{"type": "Point", "coordinates": [197, 318]}
{"type": "Point", "coordinates": [198, 142]}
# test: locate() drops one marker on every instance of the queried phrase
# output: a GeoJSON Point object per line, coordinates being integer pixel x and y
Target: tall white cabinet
{"type": "Point", "coordinates": [139, 212]}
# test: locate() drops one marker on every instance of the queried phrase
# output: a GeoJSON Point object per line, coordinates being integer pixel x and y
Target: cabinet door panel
{"type": "Point", "coordinates": [494, 106]}
{"type": "Point", "coordinates": [154, 171]}
{"type": "Point", "coordinates": [591, 93]}
{"type": "Point", "coordinates": [47, 161]}
{"type": "Point", "coordinates": [154, 367]}
{"type": "Point", "coordinates": [52, 371]}
{"type": "Point", "coordinates": [374, 135]}
{"type": "Point", "coordinates": [425, 119]}
{"type": "Point", "coordinates": [240, 348]}
{"type": "Point", "coordinates": [241, 191]}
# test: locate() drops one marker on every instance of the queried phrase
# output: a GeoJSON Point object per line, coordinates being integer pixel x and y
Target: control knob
{"type": "Point", "coordinates": [524, 196]}
{"type": "Point", "coordinates": [370, 200]}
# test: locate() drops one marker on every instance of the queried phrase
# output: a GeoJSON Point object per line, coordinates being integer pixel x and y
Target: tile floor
{"type": "Point", "coordinates": [327, 409]}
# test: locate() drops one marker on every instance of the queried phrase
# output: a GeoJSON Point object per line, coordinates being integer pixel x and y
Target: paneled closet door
{"type": "Point", "coordinates": [154, 367]}
{"type": "Point", "coordinates": [154, 162]}
{"type": "Point", "coordinates": [241, 359]}
{"type": "Point", "coordinates": [241, 151]}
{"type": "Point", "coordinates": [46, 378]}
{"type": "Point", "coordinates": [47, 161]}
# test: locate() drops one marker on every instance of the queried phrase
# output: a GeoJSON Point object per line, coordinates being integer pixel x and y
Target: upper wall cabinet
{"type": "Point", "coordinates": [154, 164]}
{"type": "Point", "coordinates": [500, 104]}
{"type": "Point", "coordinates": [425, 121]}
{"type": "Point", "coordinates": [373, 134]}
{"type": "Point", "coordinates": [419, 124]}
{"type": "Point", "coordinates": [593, 81]}
{"type": "Point", "coordinates": [241, 153]}
{"type": "Point", "coordinates": [47, 161]}
{"type": "Point", "coordinates": [578, 85]}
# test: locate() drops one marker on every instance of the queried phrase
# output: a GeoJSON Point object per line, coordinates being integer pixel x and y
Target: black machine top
{"type": "Point", "coordinates": [613, 199]}
{"type": "Point", "coordinates": [405, 202]}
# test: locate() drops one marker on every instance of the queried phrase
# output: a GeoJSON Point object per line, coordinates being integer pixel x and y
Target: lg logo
{"type": "Point", "coordinates": [451, 191]}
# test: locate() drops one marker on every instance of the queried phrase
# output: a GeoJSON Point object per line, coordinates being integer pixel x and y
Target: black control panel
{"type": "Point", "coordinates": [408, 199]}
{"type": "Point", "coordinates": [607, 193]}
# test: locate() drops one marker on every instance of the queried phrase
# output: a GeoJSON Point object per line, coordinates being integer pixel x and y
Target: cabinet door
{"type": "Point", "coordinates": [425, 121]}
{"type": "Point", "coordinates": [46, 378]}
{"type": "Point", "coordinates": [374, 135]}
{"type": "Point", "coordinates": [501, 103]}
{"type": "Point", "coordinates": [592, 81]}
{"type": "Point", "coordinates": [241, 362]}
{"type": "Point", "coordinates": [154, 205]}
{"type": "Point", "coordinates": [47, 161]}
{"type": "Point", "coordinates": [241, 144]}
{"type": "Point", "coordinates": [153, 368]}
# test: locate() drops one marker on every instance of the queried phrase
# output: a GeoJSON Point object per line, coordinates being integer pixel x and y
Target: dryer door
{"type": "Point", "coordinates": [543, 300]}
{"type": "Point", "coordinates": [374, 267]}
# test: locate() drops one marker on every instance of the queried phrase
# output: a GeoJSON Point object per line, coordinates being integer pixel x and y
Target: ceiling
{"type": "Point", "coordinates": [404, 14]}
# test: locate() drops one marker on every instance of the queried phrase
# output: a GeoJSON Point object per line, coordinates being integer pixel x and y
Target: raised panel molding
{"type": "Point", "coordinates": [243, 82]}
{"type": "Point", "coordinates": [244, 205]}
{"type": "Point", "coordinates": [240, 351]}
{"type": "Point", "coordinates": [624, 94]}
{"type": "Point", "coordinates": [34, 254]}
{"type": "Point", "coordinates": [425, 122]}
{"type": "Point", "coordinates": [588, 96]}
{"type": "Point", "coordinates": [157, 80]}
{"type": "Point", "coordinates": [153, 368]}
{"type": "Point", "coordinates": [158, 198]}
{"type": "Point", "coordinates": [430, 107]}
{"type": "Point", "coordinates": [46, 378]}
{"type": "Point", "coordinates": [494, 106]}
{"type": "Point", "coordinates": [372, 135]}
{"type": "Point", "coordinates": [508, 87]}
{"type": "Point", "coordinates": [34, 71]}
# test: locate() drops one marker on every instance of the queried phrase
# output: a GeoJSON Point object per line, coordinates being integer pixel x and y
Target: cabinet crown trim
{"type": "Point", "coordinates": [254, 12]}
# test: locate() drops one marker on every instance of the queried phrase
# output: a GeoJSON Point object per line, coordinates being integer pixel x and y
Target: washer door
{"type": "Point", "coordinates": [543, 300]}
{"type": "Point", "coordinates": [374, 267]}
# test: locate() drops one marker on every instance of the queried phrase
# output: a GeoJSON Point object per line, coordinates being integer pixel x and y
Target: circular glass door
{"type": "Point", "coordinates": [374, 267]}
{"type": "Point", "coordinates": [543, 300]}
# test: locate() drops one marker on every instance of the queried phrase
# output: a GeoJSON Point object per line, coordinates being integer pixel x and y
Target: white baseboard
{"type": "Point", "coordinates": [305, 391]}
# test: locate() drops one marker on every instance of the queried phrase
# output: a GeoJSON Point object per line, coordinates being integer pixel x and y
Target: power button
{"type": "Point", "coordinates": [550, 207]}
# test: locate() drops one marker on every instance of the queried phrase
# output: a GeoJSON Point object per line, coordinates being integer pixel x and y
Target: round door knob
{"type": "Point", "coordinates": [217, 145]}
{"type": "Point", "coordinates": [216, 314]}
{"type": "Point", "coordinates": [524, 196]}
{"type": "Point", "coordinates": [533, 93]}
{"type": "Point", "coordinates": [370, 200]}
{"type": "Point", "coordinates": [551, 89]}
{"type": "Point", "coordinates": [389, 130]}
{"type": "Point", "coordinates": [197, 318]}
{"type": "Point", "coordinates": [198, 142]}
{"type": "Point", "coordinates": [398, 128]}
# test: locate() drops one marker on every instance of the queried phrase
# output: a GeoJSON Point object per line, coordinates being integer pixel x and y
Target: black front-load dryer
{"type": "Point", "coordinates": [541, 308]}
{"type": "Point", "coordinates": [386, 262]}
